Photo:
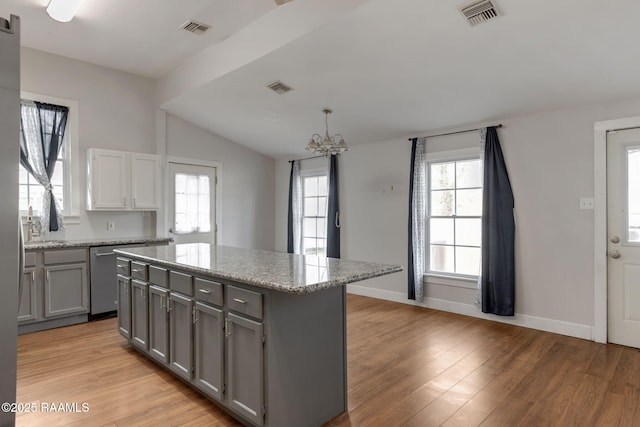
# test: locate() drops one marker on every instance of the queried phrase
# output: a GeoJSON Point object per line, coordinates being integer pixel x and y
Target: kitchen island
{"type": "Point", "coordinates": [261, 333]}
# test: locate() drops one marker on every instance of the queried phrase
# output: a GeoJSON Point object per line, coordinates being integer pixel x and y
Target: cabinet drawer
{"type": "Point", "coordinates": [139, 270]}
{"type": "Point", "coordinates": [158, 276]}
{"type": "Point", "coordinates": [181, 282]}
{"type": "Point", "coordinates": [29, 259]}
{"type": "Point", "coordinates": [123, 266]}
{"type": "Point", "coordinates": [65, 256]}
{"type": "Point", "coordinates": [209, 291]}
{"type": "Point", "coordinates": [244, 301]}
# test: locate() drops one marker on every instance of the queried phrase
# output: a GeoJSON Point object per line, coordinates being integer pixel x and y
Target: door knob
{"type": "Point", "coordinates": [615, 239]}
{"type": "Point", "coordinates": [615, 254]}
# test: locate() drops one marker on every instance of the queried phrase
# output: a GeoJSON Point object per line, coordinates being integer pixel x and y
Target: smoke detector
{"type": "Point", "coordinates": [480, 11]}
{"type": "Point", "coordinates": [279, 88]}
{"type": "Point", "coordinates": [195, 27]}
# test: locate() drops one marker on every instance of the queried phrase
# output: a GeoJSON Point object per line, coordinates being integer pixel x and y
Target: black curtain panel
{"type": "Point", "coordinates": [333, 211]}
{"type": "Point", "coordinates": [42, 137]}
{"type": "Point", "coordinates": [497, 278]}
{"type": "Point", "coordinates": [290, 213]}
{"type": "Point", "coordinates": [411, 292]}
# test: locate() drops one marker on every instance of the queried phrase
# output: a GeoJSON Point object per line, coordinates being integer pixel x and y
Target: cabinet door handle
{"type": "Point", "coordinates": [204, 291]}
{"type": "Point", "coordinates": [227, 332]}
{"type": "Point", "coordinates": [239, 301]}
{"type": "Point", "coordinates": [194, 314]}
{"type": "Point", "coordinates": [48, 277]}
{"type": "Point", "coordinates": [169, 304]}
{"type": "Point", "coordinates": [107, 254]}
{"type": "Point", "coordinates": [33, 276]}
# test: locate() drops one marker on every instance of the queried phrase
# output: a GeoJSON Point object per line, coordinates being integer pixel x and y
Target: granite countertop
{"type": "Point", "coordinates": [265, 269]}
{"type": "Point", "coordinates": [64, 244]}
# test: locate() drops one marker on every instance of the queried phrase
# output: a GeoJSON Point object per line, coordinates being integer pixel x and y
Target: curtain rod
{"type": "Point", "coordinates": [306, 158]}
{"type": "Point", "coordinates": [499, 125]}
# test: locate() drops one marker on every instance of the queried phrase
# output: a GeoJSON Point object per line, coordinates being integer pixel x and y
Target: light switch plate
{"type": "Point", "coordinates": [586, 203]}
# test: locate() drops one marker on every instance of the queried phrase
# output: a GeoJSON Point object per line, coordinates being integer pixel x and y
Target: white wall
{"type": "Point", "coordinates": [246, 183]}
{"type": "Point", "coordinates": [550, 160]}
{"type": "Point", "coordinates": [116, 111]}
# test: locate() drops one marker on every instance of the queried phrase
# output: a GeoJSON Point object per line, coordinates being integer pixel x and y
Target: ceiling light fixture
{"type": "Point", "coordinates": [326, 144]}
{"type": "Point", "coordinates": [63, 10]}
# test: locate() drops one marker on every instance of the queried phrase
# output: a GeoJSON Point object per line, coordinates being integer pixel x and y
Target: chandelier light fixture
{"type": "Point", "coordinates": [63, 10]}
{"type": "Point", "coordinates": [327, 145]}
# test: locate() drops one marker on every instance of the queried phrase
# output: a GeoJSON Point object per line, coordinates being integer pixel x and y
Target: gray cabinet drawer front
{"type": "Point", "coordinates": [29, 259]}
{"type": "Point", "coordinates": [139, 270]}
{"type": "Point", "coordinates": [158, 276]}
{"type": "Point", "coordinates": [181, 282]}
{"type": "Point", "coordinates": [123, 266]}
{"type": "Point", "coordinates": [65, 256]}
{"type": "Point", "coordinates": [209, 291]}
{"type": "Point", "coordinates": [244, 301]}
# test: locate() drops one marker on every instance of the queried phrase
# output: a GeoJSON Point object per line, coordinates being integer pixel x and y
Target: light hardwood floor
{"type": "Point", "coordinates": [407, 366]}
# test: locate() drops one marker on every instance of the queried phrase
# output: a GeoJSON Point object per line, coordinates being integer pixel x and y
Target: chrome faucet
{"type": "Point", "coordinates": [31, 232]}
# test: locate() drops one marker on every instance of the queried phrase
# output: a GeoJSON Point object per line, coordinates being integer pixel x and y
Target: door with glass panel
{"type": "Point", "coordinates": [623, 232]}
{"type": "Point", "coordinates": [192, 203]}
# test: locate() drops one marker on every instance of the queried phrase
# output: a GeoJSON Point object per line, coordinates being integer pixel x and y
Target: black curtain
{"type": "Point", "coordinates": [497, 278]}
{"type": "Point", "coordinates": [53, 122]}
{"type": "Point", "coordinates": [290, 214]}
{"type": "Point", "coordinates": [333, 211]}
{"type": "Point", "coordinates": [410, 268]}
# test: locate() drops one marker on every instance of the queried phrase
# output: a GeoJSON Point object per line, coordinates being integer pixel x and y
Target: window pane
{"type": "Point", "coordinates": [309, 227]}
{"type": "Point", "coordinates": [23, 197]}
{"type": "Point", "coordinates": [468, 261]}
{"type": "Point", "coordinates": [469, 173]}
{"type": "Point", "coordinates": [322, 228]}
{"type": "Point", "coordinates": [633, 185]}
{"type": "Point", "coordinates": [311, 186]}
{"type": "Point", "coordinates": [322, 206]}
{"type": "Point", "coordinates": [310, 206]}
{"type": "Point", "coordinates": [322, 247]}
{"type": "Point", "coordinates": [309, 246]}
{"type": "Point", "coordinates": [442, 203]}
{"type": "Point", "coordinates": [469, 202]}
{"type": "Point", "coordinates": [441, 231]}
{"type": "Point", "coordinates": [468, 231]}
{"type": "Point", "coordinates": [442, 176]}
{"type": "Point", "coordinates": [322, 186]}
{"type": "Point", "coordinates": [442, 258]}
{"type": "Point", "coordinates": [23, 175]}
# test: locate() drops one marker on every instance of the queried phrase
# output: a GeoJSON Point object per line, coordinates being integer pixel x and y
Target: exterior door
{"type": "Point", "coordinates": [623, 230]}
{"type": "Point", "coordinates": [192, 208]}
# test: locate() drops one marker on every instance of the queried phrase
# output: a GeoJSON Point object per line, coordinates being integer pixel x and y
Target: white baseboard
{"type": "Point", "coordinates": [524, 320]}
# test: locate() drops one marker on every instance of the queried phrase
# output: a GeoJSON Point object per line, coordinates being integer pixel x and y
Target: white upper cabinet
{"type": "Point", "coordinates": [118, 180]}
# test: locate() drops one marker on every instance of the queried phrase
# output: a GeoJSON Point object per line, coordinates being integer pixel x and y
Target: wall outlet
{"type": "Point", "coordinates": [111, 225]}
{"type": "Point", "coordinates": [586, 203]}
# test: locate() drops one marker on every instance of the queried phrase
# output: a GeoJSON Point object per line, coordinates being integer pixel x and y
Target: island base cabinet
{"type": "Point", "coordinates": [124, 306]}
{"type": "Point", "coordinates": [181, 317]}
{"type": "Point", "coordinates": [209, 350]}
{"type": "Point", "coordinates": [245, 367]}
{"type": "Point", "coordinates": [158, 324]}
{"type": "Point", "coordinates": [139, 315]}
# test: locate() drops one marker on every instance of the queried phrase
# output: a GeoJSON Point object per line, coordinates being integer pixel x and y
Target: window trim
{"type": "Point", "coordinates": [438, 277]}
{"type": "Point", "coordinates": [72, 161]}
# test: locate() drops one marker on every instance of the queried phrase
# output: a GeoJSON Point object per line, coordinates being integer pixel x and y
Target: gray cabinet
{"type": "Point", "coordinates": [139, 315]}
{"type": "Point", "coordinates": [209, 350]}
{"type": "Point", "coordinates": [158, 324]}
{"type": "Point", "coordinates": [66, 290]}
{"type": "Point", "coordinates": [124, 306]}
{"type": "Point", "coordinates": [28, 302]}
{"type": "Point", "coordinates": [245, 371]}
{"type": "Point", "coordinates": [55, 289]}
{"type": "Point", "coordinates": [181, 316]}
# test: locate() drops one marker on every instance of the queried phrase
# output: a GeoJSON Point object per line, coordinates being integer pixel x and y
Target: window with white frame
{"type": "Point", "coordinates": [314, 214]}
{"type": "Point", "coordinates": [30, 191]}
{"type": "Point", "coordinates": [454, 217]}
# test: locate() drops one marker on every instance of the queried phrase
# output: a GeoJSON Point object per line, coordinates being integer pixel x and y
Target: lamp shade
{"type": "Point", "coordinates": [63, 10]}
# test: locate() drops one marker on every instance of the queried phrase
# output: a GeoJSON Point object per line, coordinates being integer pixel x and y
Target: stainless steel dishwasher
{"type": "Point", "coordinates": [104, 289]}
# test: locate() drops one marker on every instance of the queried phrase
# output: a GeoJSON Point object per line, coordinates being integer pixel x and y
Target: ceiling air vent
{"type": "Point", "coordinates": [279, 88]}
{"type": "Point", "coordinates": [195, 27]}
{"type": "Point", "coordinates": [479, 12]}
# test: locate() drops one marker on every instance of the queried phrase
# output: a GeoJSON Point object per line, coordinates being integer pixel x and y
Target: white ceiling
{"type": "Point", "coordinates": [388, 68]}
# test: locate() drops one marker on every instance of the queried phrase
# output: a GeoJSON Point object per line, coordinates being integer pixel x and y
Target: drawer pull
{"type": "Point", "coordinates": [137, 270]}
{"type": "Point", "coordinates": [239, 301]}
{"type": "Point", "coordinates": [204, 291]}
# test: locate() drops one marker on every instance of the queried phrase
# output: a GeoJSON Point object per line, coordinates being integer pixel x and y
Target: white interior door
{"type": "Point", "coordinates": [192, 203]}
{"type": "Point", "coordinates": [623, 232]}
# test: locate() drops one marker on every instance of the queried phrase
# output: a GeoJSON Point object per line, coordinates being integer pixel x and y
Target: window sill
{"type": "Point", "coordinates": [449, 280]}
